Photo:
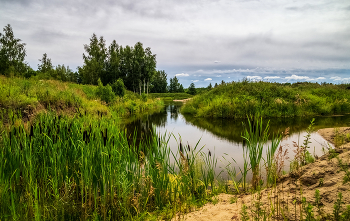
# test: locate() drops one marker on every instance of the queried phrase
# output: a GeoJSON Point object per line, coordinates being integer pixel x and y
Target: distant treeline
{"type": "Point", "coordinates": [136, 65]}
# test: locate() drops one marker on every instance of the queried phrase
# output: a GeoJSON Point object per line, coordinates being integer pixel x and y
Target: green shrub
{"type": "Point", "coordinates": [105, 93]}
{"type": "Point", "coordinates": [119, 88]}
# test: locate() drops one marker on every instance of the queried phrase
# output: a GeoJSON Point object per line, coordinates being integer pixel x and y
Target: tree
{"type": "Point", "coordinates": [181, 89]}
{"type": "Point", "coordinates": [94, 60]}
{"type": "Point", "coordinates": [216, 85]}
{"type": "Point", "coordinates": [159, 82]}
{"type": "Point", "coordinates": [12, 53]}
{"type": "Point", "coordinates": [151, 63]}
{"type": "Point", "coordinates": [192, 89]}
{"type": "Point", "coordinates": [139, 67]}
{"type": "Point", "coordinates": [174, 85]}
{"type": "Point", "coordinates": [112, 64]}
{"type": "Point", "coordinates": [210, 86]}
{"type": "Point", "coordinates": [46, 66]}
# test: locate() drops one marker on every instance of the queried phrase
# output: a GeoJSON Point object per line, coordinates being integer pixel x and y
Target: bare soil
{"type": "Point", "coordinates": [324, 174]}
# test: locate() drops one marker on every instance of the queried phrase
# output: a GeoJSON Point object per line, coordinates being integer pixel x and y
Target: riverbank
{"type": "Point", "coordinates": [242, 99]}
{"type": "Point", "coordinates": [30, 97]}
{"type": "Point", "coordinates": [296, 193]}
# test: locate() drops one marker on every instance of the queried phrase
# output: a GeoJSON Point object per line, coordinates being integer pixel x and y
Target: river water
{"type": "Point", "coordinates": [222, 137]}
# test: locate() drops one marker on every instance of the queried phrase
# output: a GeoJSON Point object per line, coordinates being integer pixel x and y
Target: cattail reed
{"type": "Point", "coordinates": [90, 173]}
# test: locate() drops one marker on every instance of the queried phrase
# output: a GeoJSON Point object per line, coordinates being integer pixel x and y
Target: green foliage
{"type": "Point", "coordinates": [134, 65]}
{"type": "Point", "coordinates": [320, 182]}
{"type": "Point", "coordinates": [255, 136]}
{"type": "Point", "coordinates": [337, 206]}
{"type": "Point", "coordinates": [318, 202]}
{"type": "Point", "coordinates": [105, 93]}
{"type": "Point", "coordinates": [239, 99]}
{"type": "Point", "coordinates": [28, 95]}
{"type": "Point", "coordinates": [119, 88]}
{"type": "Point", "coordinates": [308, 211]}
{"type": "Point", "coordinates": [12, 54]}
{"type": "Point", "coordinates": [192, 89]}
{"type": "Point", "coordinates": [181, 89]}
{"type": "Point", "coordinates": [159, 82]}
{"type": "Point", "coordinates": [46, 65]}
{"type": "Point", "coordinates": [244, 213]}
{"type": "Point", "coordinates": [97, 170]}
{"type": "Point", "coordinates": [144, 97]}
{"type": "Point", "coordinates": [174, 85]}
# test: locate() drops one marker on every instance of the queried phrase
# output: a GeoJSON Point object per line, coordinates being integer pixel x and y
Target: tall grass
{"type": "Point", "coordinates": [256, 137]}
{"type": "Point", "coordinates": [82, 169]}
{"type": "Point", "coordinates": [31, 96]}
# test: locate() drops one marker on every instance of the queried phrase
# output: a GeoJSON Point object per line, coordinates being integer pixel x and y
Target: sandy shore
{"type": "Point", "coordinates": [324, 174]}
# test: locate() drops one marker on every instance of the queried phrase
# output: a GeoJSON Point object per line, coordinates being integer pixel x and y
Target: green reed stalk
{"type": "Point", "coordinates": [255, 137]}
{"type": "Point", "coordinates": [84, 167]}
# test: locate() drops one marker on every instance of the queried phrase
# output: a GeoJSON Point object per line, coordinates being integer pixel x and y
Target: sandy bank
{"type": "Point", "coordinates": [324, 174]}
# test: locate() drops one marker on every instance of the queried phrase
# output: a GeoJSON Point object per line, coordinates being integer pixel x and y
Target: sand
{"type": "Point", "coordinates": [324, 174]}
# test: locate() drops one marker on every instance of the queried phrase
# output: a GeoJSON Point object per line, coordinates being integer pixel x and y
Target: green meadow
{"type": "Point", "coordinates": [240, 99]}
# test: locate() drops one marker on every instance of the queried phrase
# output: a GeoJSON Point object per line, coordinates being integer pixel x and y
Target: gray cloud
{"type": "Point", "coordinates": [218, 37]}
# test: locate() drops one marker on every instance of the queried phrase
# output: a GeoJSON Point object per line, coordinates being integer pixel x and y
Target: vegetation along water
{"type": "Point", "coordinates": [68, 153]}
{"type": "Point", "coordinates": [240, 99]}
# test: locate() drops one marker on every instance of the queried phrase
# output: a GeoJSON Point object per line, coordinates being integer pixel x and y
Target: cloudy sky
{"type": "Point", "coordinates": [201, 41]}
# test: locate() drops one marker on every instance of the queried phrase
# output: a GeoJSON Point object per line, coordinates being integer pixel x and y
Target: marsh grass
{"type": "Point", "coordinates": [84, 168]}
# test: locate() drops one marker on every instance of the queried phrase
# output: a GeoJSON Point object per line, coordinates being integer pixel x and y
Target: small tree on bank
{"type": "Point", "coordinates": [192, 89]}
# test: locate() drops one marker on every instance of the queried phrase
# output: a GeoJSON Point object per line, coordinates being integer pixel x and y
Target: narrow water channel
{"type": "Point", "coordinates": [222, 137]}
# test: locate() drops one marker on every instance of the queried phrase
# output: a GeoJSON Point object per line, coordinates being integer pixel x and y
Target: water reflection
{"type": "Point", "coordinates": [223, 136]}
{"type": "Point", "coordinates": [231, 130]}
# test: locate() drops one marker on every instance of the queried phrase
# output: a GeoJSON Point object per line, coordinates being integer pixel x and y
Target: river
{"type": "Point", "coordinates": [222, 137]}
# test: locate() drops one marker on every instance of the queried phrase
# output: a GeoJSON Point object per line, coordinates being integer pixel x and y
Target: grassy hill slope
{"type": "Point", "coordinates": [30, 96]}
{"type": "Point", "coordinates": [239, 99]}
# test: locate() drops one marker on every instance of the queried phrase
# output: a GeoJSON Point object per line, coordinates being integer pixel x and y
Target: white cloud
{"type": "Point", "coordinates": [272, 77]}
{"type": "Point", "coordinates": [208, 79]}
{"type": "Point", "coordinates": [195, 81]}
{"type": "Point", "coordinates": [336, 78]}
{"type": "Point", "coordinates": [296, 77]}
{"type": "Point", "coordinates": [218, 76]}
{"type": "Point", "coordinates": [320, 78]}
{"type": "Point", "coordinates": [182, 75]}
{"type": "Point", "coordinates": [254, 78]}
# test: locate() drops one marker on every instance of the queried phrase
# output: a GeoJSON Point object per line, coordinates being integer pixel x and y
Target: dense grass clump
{"type": "Point", "coordinates": [59, 168]}
{"type": "Point", "coordinates": [240, 99]}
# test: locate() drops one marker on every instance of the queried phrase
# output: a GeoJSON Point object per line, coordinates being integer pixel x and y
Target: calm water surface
{"type": "Point", "coordinates": [223, 137]}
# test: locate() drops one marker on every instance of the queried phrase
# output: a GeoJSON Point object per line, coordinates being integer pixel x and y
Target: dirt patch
{"type": "Point", "coordinates": [326, 174]}
{"type": "Point", "coordinates": [184, 100]}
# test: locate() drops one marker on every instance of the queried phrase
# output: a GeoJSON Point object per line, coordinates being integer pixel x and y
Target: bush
{"type": "Point", "coordinates": [105, 93]}
{"type": "Point", "coordinates": [119, 88]}
{"type": "Point", "coordinates": [144, 97]}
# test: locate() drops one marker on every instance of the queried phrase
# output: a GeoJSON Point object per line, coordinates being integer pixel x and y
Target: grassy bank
{"type": "Point", "coordinates": [30, 96]}
{"type": "Point", "coordinates": [83, 168]}
{"type": "Point", "coordinates": [239, 99]}
{"type": "Point", "coordinates": [171, 96]}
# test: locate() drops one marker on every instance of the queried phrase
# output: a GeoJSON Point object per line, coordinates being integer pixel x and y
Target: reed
{"type": "Point", "coordinates": [85, 168]}
{"type": "Point", "coordinates": [255, 136]}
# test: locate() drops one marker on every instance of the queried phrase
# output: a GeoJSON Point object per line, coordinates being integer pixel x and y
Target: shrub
{"type": "Point", "coordinates": [119, 88]}
{"type": "Point", "coordinates": [105, 93]}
